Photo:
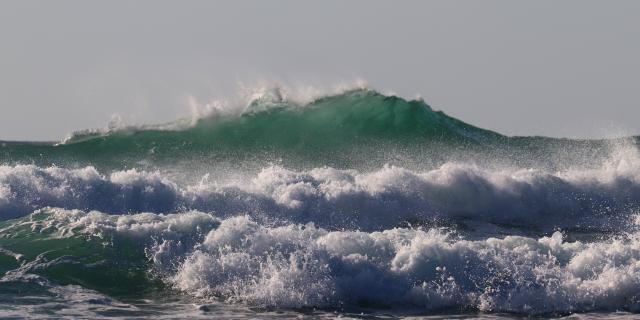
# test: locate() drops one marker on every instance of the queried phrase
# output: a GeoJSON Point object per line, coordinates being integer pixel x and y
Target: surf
{"type": "Point", "coordinates": [351, 201]}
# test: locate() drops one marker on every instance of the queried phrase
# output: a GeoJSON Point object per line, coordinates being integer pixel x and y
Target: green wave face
{"type": "Point", "coordinates": [112, 265]}
{"type": "Point", "coordinates": [337, 130]}
{"type": "Point", "coordinates": [359, 129]}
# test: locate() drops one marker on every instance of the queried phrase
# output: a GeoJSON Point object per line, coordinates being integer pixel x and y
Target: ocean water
{"type": "Point", "coordinates": [352, 205]}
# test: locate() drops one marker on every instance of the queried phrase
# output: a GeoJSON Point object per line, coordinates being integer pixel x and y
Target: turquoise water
{"type": "Point", "coordinates": [354, 205]}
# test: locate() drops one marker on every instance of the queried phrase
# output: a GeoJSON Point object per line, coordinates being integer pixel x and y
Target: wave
{"type": "Point", "coordinates": [360, 112]}
{"type": "Point", "coordinates": [356, 114]}
{"type": "Point", "coordinates": [388, 197]}
{"type": "Point", "coordinates": [357, 199]}
{"type": "Point", "coordinates": [302, 265]}
{"type": "Point", "coordinates": [357, 129]}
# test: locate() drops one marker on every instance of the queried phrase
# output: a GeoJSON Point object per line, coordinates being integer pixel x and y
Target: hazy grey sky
{"type": "Point", "coordinates": [560, 68]}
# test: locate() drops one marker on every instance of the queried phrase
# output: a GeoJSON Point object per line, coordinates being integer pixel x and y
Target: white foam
{"type": "Point", "coordinates": [535, 198]}
{"type": "Point", "coordinates": [297, 265]}
{"type": "Point", "coordinates": [24, 188]}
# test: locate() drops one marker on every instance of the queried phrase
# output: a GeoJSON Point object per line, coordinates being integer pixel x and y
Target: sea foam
{"type": "Point", "coordinates": [302, 265]}
{"type": "Point", "coordinates": [332, 198]}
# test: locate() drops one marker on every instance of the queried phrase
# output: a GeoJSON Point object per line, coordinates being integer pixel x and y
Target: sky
{"type": "Point", "coordinates": [553, 68]}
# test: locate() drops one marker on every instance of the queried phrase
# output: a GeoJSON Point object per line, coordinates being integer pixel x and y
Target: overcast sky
{"type": "Point", "coordinates": [556, 68]}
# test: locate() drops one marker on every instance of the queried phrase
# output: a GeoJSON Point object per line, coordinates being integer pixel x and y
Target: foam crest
{"type": "Point", "coordinates": [303, 266]}
{"type": "Point", "coordinates": [331, 198]}
{"type": "Point", "coordinates": [265, 96]}
{"type": "Point", "coordinates": [27, 187]}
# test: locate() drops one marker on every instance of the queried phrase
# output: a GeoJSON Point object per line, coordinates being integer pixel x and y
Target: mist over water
{"type": "Point", "coordinates": [351, 202]}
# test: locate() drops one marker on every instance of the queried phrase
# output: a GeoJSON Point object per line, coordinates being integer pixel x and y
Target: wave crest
{"type": "Point", "coordinates": [530, 198]}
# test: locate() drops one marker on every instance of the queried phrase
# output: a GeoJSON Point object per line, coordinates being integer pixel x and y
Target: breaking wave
{"type": "Point", "coordinates": [302, 265]}
{"type": "Point", "coordinates": [355, 200]}
{"type": "Point", "coordinates": [384, 198]}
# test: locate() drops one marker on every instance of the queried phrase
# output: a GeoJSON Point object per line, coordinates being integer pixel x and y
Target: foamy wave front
{"type": "Point", "coordinates": [333, 198]}
{"type": "Point", "coordinates": [302, 265]}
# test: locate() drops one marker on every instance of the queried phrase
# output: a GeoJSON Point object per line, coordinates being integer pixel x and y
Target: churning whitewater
{"type": "Point", "coordinates": [352, 202]}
